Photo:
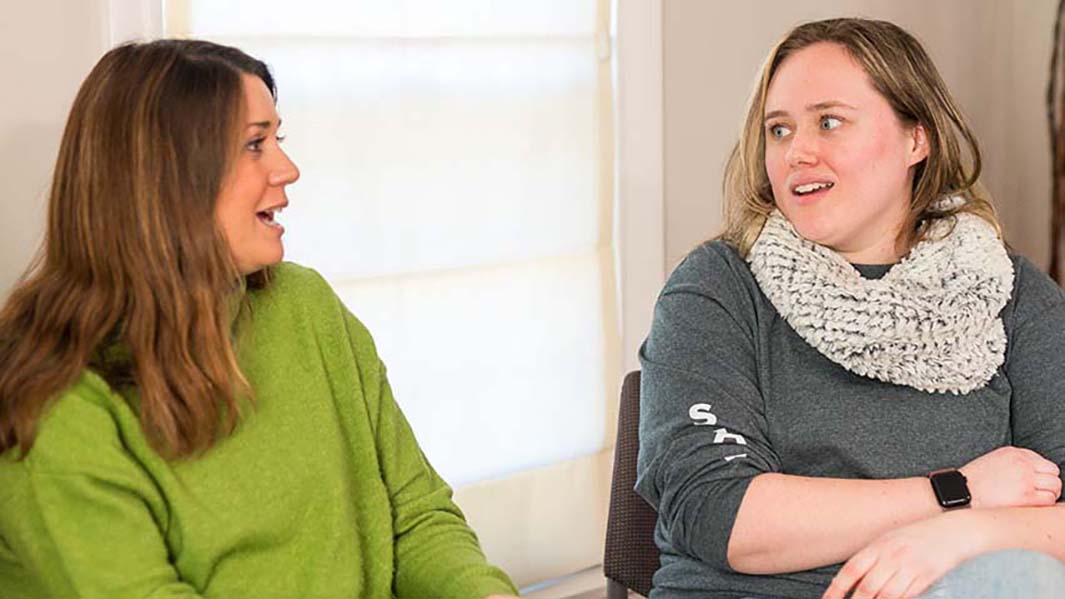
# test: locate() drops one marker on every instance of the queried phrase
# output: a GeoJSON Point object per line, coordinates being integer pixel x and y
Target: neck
{"type": "Point", "coordinates": [884, 252]}
{"type": "Point", "coordinates": [879, 244]}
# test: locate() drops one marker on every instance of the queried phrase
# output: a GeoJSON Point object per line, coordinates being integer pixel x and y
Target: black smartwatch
{"type": "Point", "coordinates": [950, 488]}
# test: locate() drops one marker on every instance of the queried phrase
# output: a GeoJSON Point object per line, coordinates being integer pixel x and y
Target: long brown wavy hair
{"type": "Point", "coordinates": [901, 71]}
{"type": "Point", "coordinates": [135, 278]}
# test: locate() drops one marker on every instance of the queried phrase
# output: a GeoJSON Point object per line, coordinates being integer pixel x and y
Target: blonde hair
{"type": "Point", "coordinates": [901, 71]}
{"type": "Point", "coordinates": [133, 259]}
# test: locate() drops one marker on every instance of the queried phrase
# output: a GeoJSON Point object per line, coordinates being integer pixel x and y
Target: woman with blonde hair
{"type": "Point", "coordinates": [856, 388]}
{"type": "Point", "coordinates": [181, 414]}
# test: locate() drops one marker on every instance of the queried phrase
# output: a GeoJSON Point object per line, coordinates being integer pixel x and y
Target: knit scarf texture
{"type": "Point", "coordinates": [932, 322]}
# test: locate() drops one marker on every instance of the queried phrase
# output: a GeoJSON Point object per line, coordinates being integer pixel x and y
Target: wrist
{"type": "Point", "coordinates": [977, 531]}
{"type": "Point", "coordinates": [974, 499]}
{"type": "Point", "coordinates": [919, 487]}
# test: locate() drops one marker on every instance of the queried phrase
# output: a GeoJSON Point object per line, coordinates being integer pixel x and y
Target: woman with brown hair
{"type": "Point", "coordinates": [181, 414]}
{"type": "Point", "coordinates": [857, 357]}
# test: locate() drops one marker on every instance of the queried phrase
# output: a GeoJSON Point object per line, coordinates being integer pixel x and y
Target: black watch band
{"type": "Point", "coordinates": [951, 489]}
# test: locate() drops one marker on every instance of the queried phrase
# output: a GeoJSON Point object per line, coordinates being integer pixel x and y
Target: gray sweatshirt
{"type": "Point", "coordinates": [730, 391]}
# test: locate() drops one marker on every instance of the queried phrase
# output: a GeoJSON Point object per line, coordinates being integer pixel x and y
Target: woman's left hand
{"type": "Point", "coordinates": [907, 560]}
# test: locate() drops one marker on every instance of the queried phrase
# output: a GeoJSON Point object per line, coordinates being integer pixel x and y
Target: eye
{"type": "Point", "coordinates": [255, 145]}
{"type": "Point", "coordinates": [829, 123]}
{"type": "Point", "coordinates": [281, 137]}
{"type": "Point", "coordinates": [778, 131]}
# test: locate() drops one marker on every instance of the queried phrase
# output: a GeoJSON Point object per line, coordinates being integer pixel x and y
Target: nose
{"type": "Point", "coordinates": [285, 172]}
{"type": "Point", "coordinates": [803, 149]}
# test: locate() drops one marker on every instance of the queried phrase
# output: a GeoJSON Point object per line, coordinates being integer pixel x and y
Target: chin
{"type": "Point", "coordinates": [274, 260]}
{"type": "Point", "coordinates": [813, 229]}
{"type": "Point", "coordinates": [263, 260]}
{"type": "Point", "coordinates": [274, 254]}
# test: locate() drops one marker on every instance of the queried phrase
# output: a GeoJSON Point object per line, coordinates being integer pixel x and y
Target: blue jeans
{"type": "Point", "coordinates": [1008, 574]}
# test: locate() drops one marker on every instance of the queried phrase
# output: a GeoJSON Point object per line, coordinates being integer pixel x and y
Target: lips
{"type": "Point", "coordinates": [813, 187]}
{"type": "Point", "coordinates": [809, 190]}
{"type": "Point", "coordinates": [268, 217]}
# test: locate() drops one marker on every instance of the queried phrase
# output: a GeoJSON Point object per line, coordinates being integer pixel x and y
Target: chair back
{"type": "Point", "coordinates": [631, 556]}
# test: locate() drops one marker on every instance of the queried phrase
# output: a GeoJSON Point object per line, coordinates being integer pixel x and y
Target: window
{"type": "Point", "coordinates": [457, 192]}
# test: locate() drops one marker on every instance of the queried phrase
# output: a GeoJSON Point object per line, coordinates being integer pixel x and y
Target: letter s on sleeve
{"type": "Point", "coordinates": [702, 415]}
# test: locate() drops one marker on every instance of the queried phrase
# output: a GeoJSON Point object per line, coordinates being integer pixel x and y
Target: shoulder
{"type": "Point", "coordinates": [298, 298]}
{"type": "Point", "coordinates": [296, 290]}
{"type": "Point", "coordinates": [82, 430]}
{"type": "Point", "coordinates": [1034, 292]}
{"type": "Point", "coordinates": [713, 269]}
{"type": "Point", "coordinates": [711, 262]}
{"type": "Point", "coordinates": [710, 293]}
{"type": "Point", "coordinates": [289, 280]}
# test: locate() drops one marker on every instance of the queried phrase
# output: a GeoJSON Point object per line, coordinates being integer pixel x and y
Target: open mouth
{"type": "Point", "coordinates": [808, 189]}
{"type": "Point", "coordinates": [268, 217]}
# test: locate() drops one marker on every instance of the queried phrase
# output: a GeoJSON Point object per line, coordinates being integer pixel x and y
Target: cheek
{"type": "Point", "coordinates": [247, 182]}
{"type": "Point", "coordinates": [243, 198]}
{"type": "Point", "coordinates": [230, 208]}
{"type": "Point", "coordinates": [775, 167]}
{"type": "Point", "coordinates": [225, 210]}
{"type": "Point", "coordinates": [235, 211]}
{"type": "Point", "coordinates": [876, 160]}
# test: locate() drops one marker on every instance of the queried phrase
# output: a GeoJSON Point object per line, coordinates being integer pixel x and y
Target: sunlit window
{"type": "Point", "coordinates": [456, 192]}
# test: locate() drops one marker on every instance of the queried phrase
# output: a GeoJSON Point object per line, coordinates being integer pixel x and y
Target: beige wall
{"type": "Point", "coordinates": [46, 49]}
{"type": "Point", "coordinates": [993, 54]}
{"type": "Point", "coordinates": [996, 65]}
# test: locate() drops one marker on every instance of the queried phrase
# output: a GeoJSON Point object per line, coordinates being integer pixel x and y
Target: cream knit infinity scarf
{"type": "Point", "coordinates": [932, 322]}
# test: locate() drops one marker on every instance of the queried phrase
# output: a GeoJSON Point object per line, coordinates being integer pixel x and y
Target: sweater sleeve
{"type": "Point", "coordinates": [436, 552]}
{"type": "Point", "coordinates": [81, 515]}
{"type": "Point", "coordinates": [703, 431]}
{"type": "Point", "coordinates": [1035, 362]}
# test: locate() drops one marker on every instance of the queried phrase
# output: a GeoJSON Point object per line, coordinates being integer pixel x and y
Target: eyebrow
{"type": "Point", "coordinates": [811, 108]}
{"type": "Point", "coordinates": [263, 124]}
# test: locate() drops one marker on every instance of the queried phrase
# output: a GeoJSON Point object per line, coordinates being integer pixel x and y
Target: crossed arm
{"type": "Point", "coordinates": [892, 533]}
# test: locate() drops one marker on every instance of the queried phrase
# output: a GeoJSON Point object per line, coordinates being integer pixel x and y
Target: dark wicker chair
{"type": "Point", "coordinates": [631, 556]}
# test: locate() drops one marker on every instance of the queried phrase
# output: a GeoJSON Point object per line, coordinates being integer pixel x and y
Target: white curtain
{"type": "Point", "coordinates": [457, 192]}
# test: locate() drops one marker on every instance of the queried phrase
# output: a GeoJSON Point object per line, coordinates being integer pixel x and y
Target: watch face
{"type": "Point", "coordinates": [951, 490]}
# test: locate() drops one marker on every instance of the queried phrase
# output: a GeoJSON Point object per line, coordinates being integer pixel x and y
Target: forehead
{"type": "Point", "coordinates": [818, 73]}
{"type": "Point", "coordinates": [257, 99]}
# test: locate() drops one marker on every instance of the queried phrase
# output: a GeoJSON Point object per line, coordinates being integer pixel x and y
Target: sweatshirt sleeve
{"type": "Point", "coordinates": [436, 552]}
{"type": "Point", "coordinates": [1035, 361]}
{"type": "Point", "coordinates": [81, 515]}
{"type": "Point", "coordinates": [703, 432]}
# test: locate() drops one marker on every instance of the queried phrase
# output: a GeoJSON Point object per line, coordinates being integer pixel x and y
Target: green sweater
{"type": "Point", "coordinates": [322, 490]}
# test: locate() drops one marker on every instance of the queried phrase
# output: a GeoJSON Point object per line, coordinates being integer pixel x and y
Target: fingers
{"type": "Point", "coordinates": [1044, 498]}
{"type": "Point", "coordinates": [871, 585]}
{"type": "Point", "coordinates": [1013, 476]}
{"type": "Point", "coordinates": [1040, 463]}
{"type": "Point", "coordinates": [896, 586]}
{"type": "Point", "coordinates": [1047, 467]}
{"type": "Point", "coordinates": [849, 575]}
{"type": "Point", "coordinates": [1048, 482]}
{"type": "Point", "coordinates": [1045, 478]}
{"type": "Point", "coordinates": [1045, 489]}
{"type": "Point", "coordinates": [918, 586]}
{"type": "Point", "coordinates": [883, 581]}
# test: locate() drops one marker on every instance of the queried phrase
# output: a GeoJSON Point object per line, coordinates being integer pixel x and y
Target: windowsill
{"type": "Point", "coordinates": [586, 584]}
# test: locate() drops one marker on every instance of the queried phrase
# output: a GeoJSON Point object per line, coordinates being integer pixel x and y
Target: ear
{"type": "Point", "coordinates": [918, 145]}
